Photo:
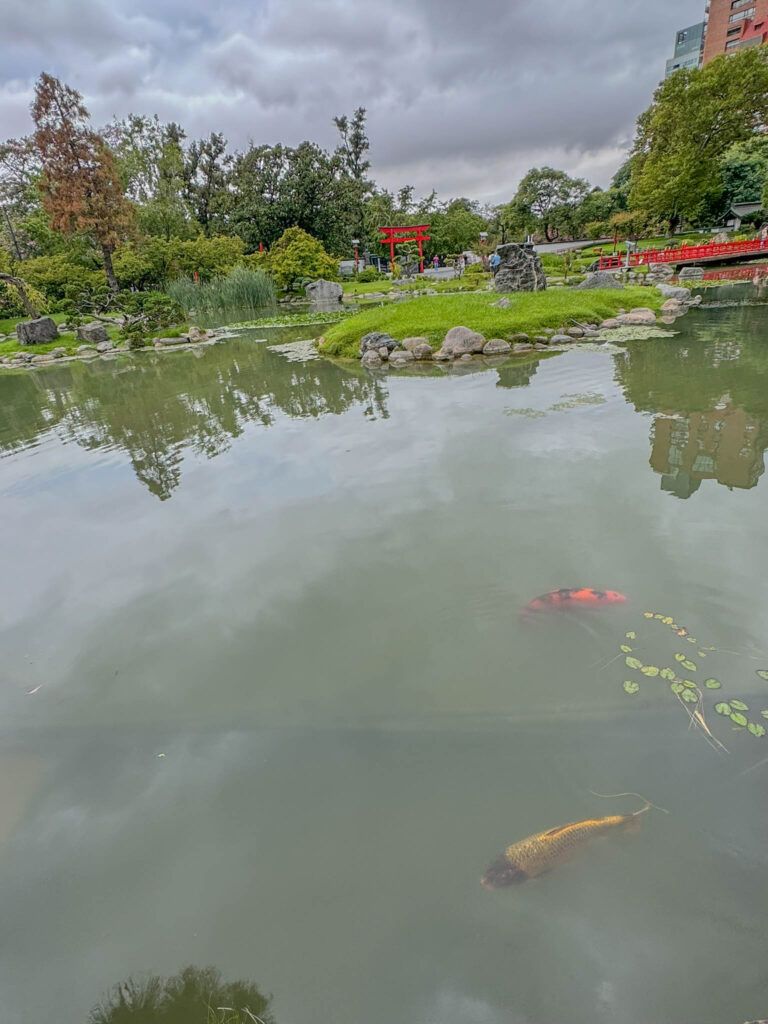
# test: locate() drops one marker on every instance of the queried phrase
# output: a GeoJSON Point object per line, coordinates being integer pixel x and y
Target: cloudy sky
{"type": "Point", "coordinates": [462, 95]}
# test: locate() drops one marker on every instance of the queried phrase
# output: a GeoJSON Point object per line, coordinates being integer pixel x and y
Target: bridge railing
{"type": "Point", "coordinates": [684, 254]}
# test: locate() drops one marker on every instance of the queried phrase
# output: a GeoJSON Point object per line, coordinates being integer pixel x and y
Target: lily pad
{"type": "Point", "coordinates": [633, 663]}
{"type": "Point", "coordinates": [723, 708]}
{"type": "Point", "coordinates": [689, 696]}
{"type": "Point", "coordinates": [633, 636]}
{"type": "Point", "coordinates": [763, 673]}
{"type": "Point", "coordinates": [667, 673]}
{"type": "Point", "coordinates": [764, 714]}
{"type": "Point", "coordinates": [756, 729]}
{"type": "Point", "coordinates": [738, 719]}
{"type": "Point", "coordinates": [630, 687]}
{"type": "Point", "coordinates": [688, 665]}
{"type": "Point", "coordinates": [647, 615]}
{"type": "Point", "coordinates": [625, 648]}
{"type": "Point", "coordinates": [712, 684]}
{"type": "Point", "coordinates": [679, 657]}
{"type": "Point", "coordinates": [677, 688]}
{"type": "Point", "coordinates": [649, 670]}
{"type": "Point", "coordinates": [689, 683]}
{"type": "Point", "coordinates": [739, 705]}
{"type": "Point", "coordinates": [668, 620]}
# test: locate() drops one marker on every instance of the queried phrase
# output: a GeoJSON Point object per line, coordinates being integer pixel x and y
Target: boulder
{"type": "Point", "coordinates": [521, 348]}
{"type": "Point", "coordinates": [197, 334]}
{"type": "Point", "coordinates": [520, 270]}
{"type": "Point", "coordinates": [324, 291]}
{"type": "Point", "coordinates": [575, 332]}
{"type": "Point", "coordinates": [400, 357]}
{"type": "Point", "coordinates": [561, 339]}
{"type": "Point", "coordinates": [722, 238]}
{"type": "Point", "coordinates": [92, 333]}
{"type": "Point", "coordinates": [496, 347]}
{"type": "Point", "coordinates": [37, 332]}
{"type": "Point", "coordinates": [670, 292]}
{"type": "Point", "coordinates": [441, 356]}
{"type": "Point", "coordinates": [637, 317]}
{"type": "Point", "coordinates": [461, 340]}
{"type": "Point", "coordinates": [383, 352]}
{"type": "Point", "coordinates": [57, 353]}
{"type": "Point", "coordinates": [466, 357]}
{"type": "Point", "coordinates": [423, 351]}
{"type": "Point", "coordinates": [520, 336]}
{"type": "Point", "coordinates": [686, 274]}
{"type": "Point", "coordinates": [659, 272]}
{"type": "Point", "coordinates": [411, 344]}
{"type": "Point", "coordinates": [503, 303]}
{"type": "Point", "coordinates": [162, 342]}
{"type": "Point", "coordinates": [609, 324]}
{"type": "Point", "coordinates": [674, 306]}
{"type": "Point", "coordinates": [600, 279]}
{"type": "Point", "coordinates": [371, 359]}
{"type": "Point", "coordinates": [376, 340]}
{"type": "Point", "coordinates": [104, 346]}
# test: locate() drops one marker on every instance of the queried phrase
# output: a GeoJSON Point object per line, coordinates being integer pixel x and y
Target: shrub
{"type": "Point", "coordinates": [58, 277]}
{"type": "Point", "coordinates": [368, 275]}
{"type": "Point", "coordinates": [296, 255]}
{"type": "Point", "coordinates": [475, 269]}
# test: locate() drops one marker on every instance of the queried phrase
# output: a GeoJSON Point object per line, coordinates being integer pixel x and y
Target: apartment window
{"type": "Point", "coordinates": [742, 14]}
{"type": "Point", "coordinates": [734, 32]}
{"type": "Point", "coordinates": [737, 4]}
{"type": "Point", "coordinates": [733, 44]}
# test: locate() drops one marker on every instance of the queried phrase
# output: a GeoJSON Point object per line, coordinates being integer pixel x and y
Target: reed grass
{"type": "Point", "coordinates": [242, 288]}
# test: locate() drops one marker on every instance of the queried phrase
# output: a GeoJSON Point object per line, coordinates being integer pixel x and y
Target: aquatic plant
{"type": "Point", "coordinates": [298, 319]}
{"type": "Point", "coordinates": [241, 288]}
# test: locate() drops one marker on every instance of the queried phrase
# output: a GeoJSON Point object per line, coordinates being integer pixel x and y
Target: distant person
{"type": "Point", "coordinates": [435, 261]}
{"type": "Point", "coordinates": [460, 266]}
{"type": "Point", "coordinates": [495, 261]}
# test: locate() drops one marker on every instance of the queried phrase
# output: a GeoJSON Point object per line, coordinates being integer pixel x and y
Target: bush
{"type": "Point", "coordinates": [368, 275]}
{"type": "Point", "coordinates": [58, 277]}
{"type": "Point", "coordinates": [475, 269]}
{"type": "Point", "coordinates": [296, 255]}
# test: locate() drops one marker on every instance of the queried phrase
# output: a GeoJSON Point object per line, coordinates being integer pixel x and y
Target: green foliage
{"type": "Point", "coordinates": [369, 275]}
{"type": "Point", "coordinates": [743, 171]}
{"type": "Point", "coordinates": [298, 255]}
{"type": "Point", "coordinates": [298, 319]}
{"type": "Point", "coordinates": [60, 277]}
{"type": "Point", "coordinates": [433, 316]}
{"type": "Point", "coordinates": [547, 198]}
{"type": "Point", "coordinates": [241, 288]}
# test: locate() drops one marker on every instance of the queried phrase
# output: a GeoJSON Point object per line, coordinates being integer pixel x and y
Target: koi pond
{"type": "Point", "coordinates": [269, 704]}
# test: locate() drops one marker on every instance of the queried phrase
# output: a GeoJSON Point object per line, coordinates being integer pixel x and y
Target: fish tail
{"type": "Point", "coordinates": [636, 814]}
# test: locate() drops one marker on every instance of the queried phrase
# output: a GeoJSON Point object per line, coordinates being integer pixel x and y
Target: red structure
{"type": "Point", "coordinates": [395, 236]}
{"type": "Point", "coordinates": [687, 254]}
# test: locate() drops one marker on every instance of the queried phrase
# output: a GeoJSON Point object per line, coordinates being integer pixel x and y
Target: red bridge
{"type": "Point", "coordinates": [688, 254]}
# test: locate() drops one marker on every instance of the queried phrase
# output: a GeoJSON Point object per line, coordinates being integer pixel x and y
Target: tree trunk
{"type": "Point", "coordinates": [109, 270]}
{"type": "Point", "coordinates": [26, 302]}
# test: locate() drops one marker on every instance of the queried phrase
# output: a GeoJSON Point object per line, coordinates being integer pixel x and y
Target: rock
{"type": "Point", "coordinates": [400, 296]}
{"type": "Point", "coordinates": [41, 359]}
{"type": "Point", "coordinates": [600, 279]}
{"type": "Point", "coordinates": [670, 292]}
{"type": "Point", "coordinates": [400, 357]}
{"type": "Point", "coordinates": [163, 342]}
{"type": "Point", "coordinates": [520, 348]}
{"type": "Point", "coordinates": [561, 339]}
{"type": "Point", "coordinates": [423, 351]}
{"type": "Point", "coordinates": [441, 356]}
{"type": "Point", "coordinates": [104, 346]}
{"type": "Point", "coordinates": [37, 332]}
{"type": "Point", "coordinates": [466, 358]}
{"type": "Point", "coordinates": [638, 317]}
{"type": "Point", "coordinates": [93, 333]}
{"type": "Point", "coordinates": [324, 291]}
{"type": "Point", "coordinates": [57, 353]}
{"type": "Point", "coordinates": [520, 270]}
{"type": "Point", "coordinates": [197, 334]}
{"type": "Point", "coordinates": [496, 347]}
{"type": "Point", "coordinates": [383, 352]}
{"type": "Point", "coordinates": [686, 274]}
{"type": "Point", "coordinates": [539, 347]}
{"type": "Point", "coordinates": [722, 238]}
{"type": "Point", "coordinates": [503, 303]}
{"type": "Point", "coordinates": [371, 359]}
{"type": "Point", "coordinates": [376, 340]}
{"type": "Point", "coordinates": [520, 336]}
{"type": "Point", "coordinates": [411, 344]}
{"type": "Point", "coordinates": [540, 341]}
{"type": "Point", "coordinates": [575, 332]}
{"type": "Point", "coordinates": [674, 306]}
{"type": "Point", "coordinates": [63, 328]}
{"type": "Point", "coordinates": [609, 324]}
{"type": "Point", "coordinates": [461, 340]}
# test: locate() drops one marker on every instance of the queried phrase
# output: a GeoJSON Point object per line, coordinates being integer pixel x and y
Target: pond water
{"type": "Point", "coordinates": [268, 703]}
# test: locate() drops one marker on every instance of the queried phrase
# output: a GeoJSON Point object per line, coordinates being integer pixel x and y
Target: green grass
{"type": "Point", "coordinates": [433, 316]}
{"type": "Point", "coordinates": [467, 283]}
{"type": "Point", "coordinates": [67, 341]}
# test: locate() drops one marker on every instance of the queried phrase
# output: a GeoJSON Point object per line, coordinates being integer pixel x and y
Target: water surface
{"type": "Point", "coordinates": [286, 710]}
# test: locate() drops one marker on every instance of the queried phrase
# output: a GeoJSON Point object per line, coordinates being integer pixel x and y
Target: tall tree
{"type": "Point", "coordinates": [696, 115]}
{"type": "Point", "coordinates": [80, 183]}
{"type": "Point", "coordinates": [205, 175]}
{"type": "Point", "coordinates": [543, 191]}
{"type": "Point", "coordinates": [353, 161]}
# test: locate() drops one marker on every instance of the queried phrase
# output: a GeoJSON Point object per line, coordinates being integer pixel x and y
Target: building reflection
{"type": "Point", "coordinates": [725, 444]}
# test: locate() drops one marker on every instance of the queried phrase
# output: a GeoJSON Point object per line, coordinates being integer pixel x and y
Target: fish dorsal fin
{"type": "Point", "coordinates": [559, 829]}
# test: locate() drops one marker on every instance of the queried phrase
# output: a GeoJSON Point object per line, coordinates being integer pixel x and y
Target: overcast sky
{"type": "Point", "coordinates": [462, 95]}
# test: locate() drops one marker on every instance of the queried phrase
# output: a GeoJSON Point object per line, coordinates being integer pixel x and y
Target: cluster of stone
{"type": "Point", "coordinates": [460, 343]}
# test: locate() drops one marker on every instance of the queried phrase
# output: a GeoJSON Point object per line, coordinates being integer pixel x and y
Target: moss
{"type": "Point", "coordinates": [432, 316]}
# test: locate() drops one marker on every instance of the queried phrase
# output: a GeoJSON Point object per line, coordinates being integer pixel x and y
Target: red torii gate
{"type": "Point", "coordinates": [394, 236]}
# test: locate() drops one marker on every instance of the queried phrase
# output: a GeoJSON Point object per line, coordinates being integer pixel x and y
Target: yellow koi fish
{"type": "Point", "coordinates": [546, 850]}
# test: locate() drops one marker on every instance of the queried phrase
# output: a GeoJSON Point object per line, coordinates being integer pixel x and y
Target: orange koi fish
{"type": "Point", "coordinates": [546, 850]}
{"type": "Point", "coordinates": [574, 598]}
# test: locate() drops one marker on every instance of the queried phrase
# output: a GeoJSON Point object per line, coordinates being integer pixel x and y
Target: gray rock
{"type": "Point", "coordinates": [442, 357]}
{"type": "Point", "coordinates": [539, 347]}
{"type": "Point", "coordinates": [93, 333]}
{"type": "Point", "coordinates": [37, 332]}
{"type": "Point", "coordinates": [423, 351]}
{"type": "Point", "coordinates": [575, 332]}
{"type": "Point", "coordinates": [670, 292]}
{"type": "Point", "coordinates": [324, 291]}
{"type": "Point", "coordinates": [659, 272]}
{"type": "Point", "coordinates": [540, 340]}
{"type": "Point", "coordinates": [600, 279]}
{"type": "Point", "coordinates": [609, 324]}
{"type": "Point", "coordinates": [376, 340]}
{"type": "Point", "coordinates": [371, 359]}
{"type": "Point", "coordinates": [638, 317]}
{"type": "Point", "coordinates": [104, 346]}
{"type": "Point", "coordinates": [41, 360]}
{"type": "Point", "coordinates": [461, 340]}
{"type": "Point", "coordinates": [400, 357]}
{"type": "Point", "coordinates": [520, 348]}
{"type": "Point", "coordinates": [520, 336]}
{"type": "Point", "coordinates": [197, 334]}
{"type": "Point", "coordinates": [466, 358]}
{"type": "Point", "coordinates": [503, 303]}
{"type": "Point", "coordinates": [520, 270]}
{"type": "Point", "coordinates": [674, 306]}
{"type": "Point", "coordinates": [411, 344]}
{"type": "Point", "coordinates": [561, 339]}
{"type": "Point", "coordinates": [687, 274]}
{"type": "Point", "coordinates": [162, 342]}
{"type": "Point", "coordinates": [383, 352]}
{"type": "Point", "coordinates": [496, 347]}
{"type": "Point", "coordinates": [57, 353]}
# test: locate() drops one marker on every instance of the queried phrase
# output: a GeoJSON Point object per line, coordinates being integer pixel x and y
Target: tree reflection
{"type": "Point", "coordinates": [196, 995]}
{"type": "Point", "coordinates": [711, 396]}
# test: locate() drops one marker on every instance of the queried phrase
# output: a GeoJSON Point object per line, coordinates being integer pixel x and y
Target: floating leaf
{"type": "Point", "coordinates": [710, 649]}
{"type": "Point", "coordinates": [764, 714]}
{"type": "Point", "coordinates": [689, 684]}
{"type": "Point", "coordinates": [647, 615]}
{"type": "Point", "coordinates": [689, 665]}
{"type": "Point", "coordinates": [630, 687]}
{"type": "Point", "coordinates": [667, 673]}
{"type": "Point", "coordinates": [650, 670]}
{"type": "Point", "coordinates": [659, 616]}
{"type": "Point", "coordinates": [631, 635]}
{"type": "Point", "coordinates": [678, 688]}
{"type": "Point", "coordinates": [668, 621]}
{"type": "Point", "coordinates": [756, 729]}
{"type": "Point", "coordinates": [689, 696]}
{"type": "Point", "coordinates": [763, 673]}
{"type": "Point", "coordinates": [691, 639]}
{"type": "Point", "coordinates": [625, 649]}
{"type": "Point", "coordinates": [702, 654]}
{"type": "Point", "coordinates": [723, 708]}
{"type": "Point", "coordinates": [739, 705]}
{"type": "Point", "coordinates": [633, 663]}
{"type": "Point", "coordinates": [712, 684]}
{"type": "Point", "coordinates": [738, 719]}
{"type": "Point", "coordinates": [679, 657]}
{"type": "Point", "coordinates": [682, 631]}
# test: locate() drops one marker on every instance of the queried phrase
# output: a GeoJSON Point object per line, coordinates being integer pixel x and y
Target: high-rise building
{"type": "Point", "coordinates": [732, 25]}
{"type": "Point", "coordinates": [689, 48]}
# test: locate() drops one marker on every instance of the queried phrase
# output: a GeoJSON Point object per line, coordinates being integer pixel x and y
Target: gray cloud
{"type": "Point", "coordinates": [462, 97]}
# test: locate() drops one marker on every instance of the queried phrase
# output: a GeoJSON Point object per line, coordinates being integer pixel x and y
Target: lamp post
{"type": "Point", "coordinates": [355, 243]}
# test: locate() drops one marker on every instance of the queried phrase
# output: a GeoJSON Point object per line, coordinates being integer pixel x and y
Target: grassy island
{"type": "Point", "coordinates": [432, 316]}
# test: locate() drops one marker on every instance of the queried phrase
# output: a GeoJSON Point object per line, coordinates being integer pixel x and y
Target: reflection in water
{"type": "Point", "coordinates": [193, 996]}
{"type": "Point", "coordinates": [709, 387]}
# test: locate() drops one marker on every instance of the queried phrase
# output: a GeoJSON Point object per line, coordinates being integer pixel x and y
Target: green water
{"type": "Point", "coordinates": [288, 711]}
